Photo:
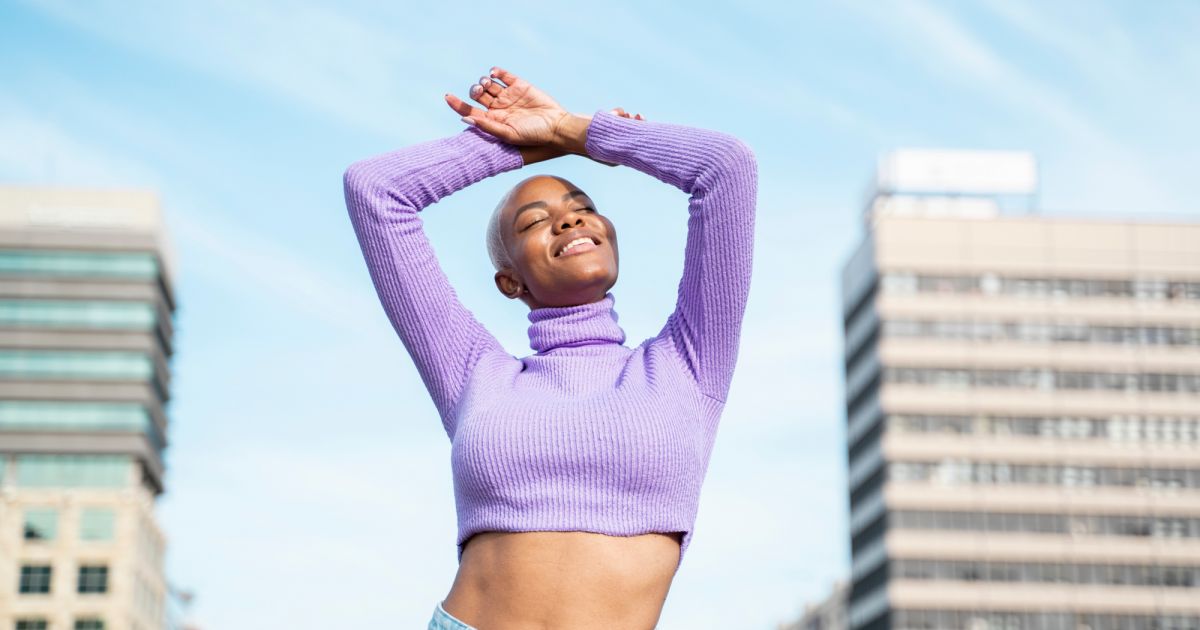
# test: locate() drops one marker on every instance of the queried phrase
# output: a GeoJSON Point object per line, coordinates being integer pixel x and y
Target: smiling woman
{"type": "Point", "coordinates": [577, 469]}
{"type": "Point", "coordinates": [544, 227]}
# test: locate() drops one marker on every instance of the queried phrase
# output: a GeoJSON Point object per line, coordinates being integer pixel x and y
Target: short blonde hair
{"type": "Point", "coordinates": [495, 242]}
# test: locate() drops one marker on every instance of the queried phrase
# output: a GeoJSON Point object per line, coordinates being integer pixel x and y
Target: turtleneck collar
{"type": "Point", "coordinates": [570, 326]}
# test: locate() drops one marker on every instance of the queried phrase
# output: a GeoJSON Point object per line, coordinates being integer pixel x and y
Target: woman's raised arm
{"type": "Point", "coordinates": [720, 175]}
{"type": "Point", "coordinates": [384, 195]}
{"type": "Point", "coordinates": [716, 170]}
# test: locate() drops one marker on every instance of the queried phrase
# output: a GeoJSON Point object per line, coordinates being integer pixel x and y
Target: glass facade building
{"type": "Point", "coordinates": [86, 304]}
{"type": "Point", "coordinates": [1023, 419]}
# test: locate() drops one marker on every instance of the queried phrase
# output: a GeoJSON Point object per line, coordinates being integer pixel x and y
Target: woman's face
{"type": "Point", "coordinates": [562, 251]}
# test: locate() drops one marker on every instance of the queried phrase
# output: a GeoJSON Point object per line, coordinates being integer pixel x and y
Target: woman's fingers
{"type": "Point", "coordinates": [619, 111]}
{"type": "Point", "coordinates": [491, 87]}
{"type": "Point", "coordinates": [481, 95]}
{"type": "Point", "coordinates": [462, 107]}
{"type": "Point", "coordinates": [504, 75]}
{"type": "Point", "coordinates": [486, 91]}
{"type": "Point", "coordinates": [504, 132]}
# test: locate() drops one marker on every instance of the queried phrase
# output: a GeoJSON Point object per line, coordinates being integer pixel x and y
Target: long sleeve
{"type": "Point", "coordinates": [384, 195]}
{"type": "Point", "coordinates": [720, 175]}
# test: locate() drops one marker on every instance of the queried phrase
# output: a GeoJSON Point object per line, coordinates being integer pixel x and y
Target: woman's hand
{"type": "Point", "coordinates": [531, 155]}
{"type": "Point", "coordinates": [524, 116]}
{"type": "Point", "coordinates": [517, 112]}
{"type": "Point", "coordinates": [624, 114]}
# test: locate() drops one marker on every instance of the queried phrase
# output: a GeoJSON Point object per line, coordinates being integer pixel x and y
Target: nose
{"type": "Point", "coordinates": [568, 223]}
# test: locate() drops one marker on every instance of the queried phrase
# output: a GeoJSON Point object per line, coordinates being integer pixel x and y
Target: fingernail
{"type": "Point", "coordinates": [613, 112]}
{"type": "Point", "coordinates": [468, 121]}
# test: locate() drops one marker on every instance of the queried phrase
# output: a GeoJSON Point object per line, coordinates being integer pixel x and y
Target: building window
{"type": "Point", "coordinates": [77, 314]}
{"type": "Point", "coordinates": [41, 523]}
{"type": "Point", "coordinates": [93, 579]}
{"type": "Point", "coordinates": [1187, 577]}
{"type": "Point", "coordinates": [998, 620]}
{"type": "Point", "coordinates": [962, 471]}
{"type": "Point", "coordinates": [35, 578]}
{"type": "Point", "coordinates": [78, 263]}
{"type": "Point", "coordinates": [31, 624]}
{"type": "Point", "coordinates": [1040, 331]}
{"type": "Point", "coordinates": [97, 524]}
{"type": "Point", "coordinates": [1160, 289]}
{"type": "Point", "coordinates": [89, 624]}
{"type": "Point", "coordinates": [22, 415]}
{"type": "Point", "coordinates": [1044, 379]}
{"type": "Point", "coordinates": [54, 364]}
{"type": "Point", "coordinates": [73, 471]}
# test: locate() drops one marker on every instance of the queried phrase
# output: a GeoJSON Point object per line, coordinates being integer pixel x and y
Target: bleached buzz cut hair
{"type": "Point", "coordinates": [495, 243]}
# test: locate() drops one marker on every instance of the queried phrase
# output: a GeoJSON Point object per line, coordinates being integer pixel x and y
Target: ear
{"type": "Point", "coordinates": [508, 284]}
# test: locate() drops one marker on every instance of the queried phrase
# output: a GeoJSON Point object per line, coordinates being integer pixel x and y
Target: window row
{"type": "Point", "coordinates": [990, 620]}
{"type": "Point", "coordinates": [36, 579]}
{"type": "Point", "coordinates": [88, 264]}
{"type": "Point", "coordinates": [1117, 428]}
{"type": "Point", "coordinates": [40, 415]}
{"type": "Point", "coordinates": [1041, 332]}
{"type": "Point", "coordinates": [71, 471]}
{"type": "Point", "coordinates": [960, 471]}
{"type": "Point", "coordinates": [77, 314]}
{"type": "Point", "coordinates": [1075, 524]}
{"type": "Point", "coordinates": [95, 524]}
{"type": "Point", "coordinates": [83, 623]}
{"type": "Point", "coordinates": [55, 364]}
{"type": "Point", "coordinates": [993, 284]}
{"type": "Point", "coordinates": [1056, 572]}
{"type": "Point", "coordinates": [1045, 379]}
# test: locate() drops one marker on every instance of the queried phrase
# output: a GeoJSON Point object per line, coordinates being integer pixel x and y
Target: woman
{"type": "Point", "coordinates": [577, 470]}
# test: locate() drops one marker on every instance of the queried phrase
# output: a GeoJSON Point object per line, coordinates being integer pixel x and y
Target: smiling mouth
{"type": "Point", "coordinates": [577, 246]}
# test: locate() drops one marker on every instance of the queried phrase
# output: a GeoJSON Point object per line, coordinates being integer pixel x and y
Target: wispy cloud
{"type": "Point", "coordinates": [37, 150]}
{"type": "Point", "coordinates": [1102, 51]}
{"type": "Point", "coordinates": [255, 264]}
{"type": "Point", "coordinates": [949, 49]}
{"type": "Point", "coordinates": [329, 60]}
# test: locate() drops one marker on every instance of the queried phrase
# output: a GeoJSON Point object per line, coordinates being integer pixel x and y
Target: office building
{"type": "Point", "coordinates": [828, 614]}
{"type": "Point", "coordinates": [86, 307]}
{"type": "Point", "coordinates": [1023, 407]}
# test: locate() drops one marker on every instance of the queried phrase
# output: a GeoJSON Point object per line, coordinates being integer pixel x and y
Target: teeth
{"type": "Point", "coordinates": [573, 243]}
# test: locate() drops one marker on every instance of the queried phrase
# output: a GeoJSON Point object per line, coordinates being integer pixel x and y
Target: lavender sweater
{"type": "Point", "coordinates": [586, 434]}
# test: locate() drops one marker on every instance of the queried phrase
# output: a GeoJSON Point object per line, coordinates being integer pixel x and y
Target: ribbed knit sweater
{"type": "Point", "coordinates": [586, 434]}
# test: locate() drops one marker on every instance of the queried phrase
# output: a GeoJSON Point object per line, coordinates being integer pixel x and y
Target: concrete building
{"type": "Point", "coordinates": [86, 309]}
{"type": "Point", "coordinates": [1023, 408]}
{"type": "Point", "coordinates": [828, 614]}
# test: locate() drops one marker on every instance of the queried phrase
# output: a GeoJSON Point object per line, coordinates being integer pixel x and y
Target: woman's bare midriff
{"type": "Point", "coordinates": [551, 580]}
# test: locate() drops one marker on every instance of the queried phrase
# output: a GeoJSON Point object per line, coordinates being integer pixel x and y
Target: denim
{"type": "Point", "coordinates": [443, 620]}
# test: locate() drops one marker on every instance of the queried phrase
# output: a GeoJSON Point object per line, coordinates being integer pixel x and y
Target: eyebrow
{"type": "Point", "coordinates": [542, 204]}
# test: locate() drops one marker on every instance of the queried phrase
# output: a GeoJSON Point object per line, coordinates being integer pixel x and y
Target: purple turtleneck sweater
{"type": "Point", "coordinates": [586, 434]}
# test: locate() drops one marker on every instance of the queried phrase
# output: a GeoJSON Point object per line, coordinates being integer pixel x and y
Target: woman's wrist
{"type": "Point", "coordinates": [539, 153]}
{"type": "Point", "coordinates": [570, 133]}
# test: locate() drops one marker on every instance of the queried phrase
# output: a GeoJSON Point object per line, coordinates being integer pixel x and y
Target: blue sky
{"type": "Point", "coordinates": [309, 477]}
